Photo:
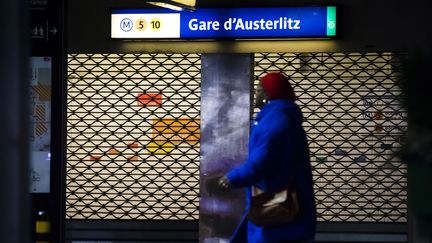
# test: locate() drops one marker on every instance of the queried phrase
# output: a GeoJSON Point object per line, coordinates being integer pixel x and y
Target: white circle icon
{"type": "Point", "coordinates": [126, 24]}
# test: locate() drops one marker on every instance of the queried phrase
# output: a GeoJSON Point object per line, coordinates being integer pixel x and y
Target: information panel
{"type": "Point", "coordinates": [238, 23]}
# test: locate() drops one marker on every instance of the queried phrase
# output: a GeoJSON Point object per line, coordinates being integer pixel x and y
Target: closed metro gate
{"type": "Point", "coordinates": [133, 138]}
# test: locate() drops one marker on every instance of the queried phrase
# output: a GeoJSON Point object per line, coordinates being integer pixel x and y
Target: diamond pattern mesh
{"type": "Point", "coordinates": [133, 134]}
{"type": "Point", "coordinates": [354, 122]}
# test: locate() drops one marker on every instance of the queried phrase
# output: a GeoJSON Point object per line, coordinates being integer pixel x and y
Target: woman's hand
{"type": "Point", "coordinates": [223, 183]}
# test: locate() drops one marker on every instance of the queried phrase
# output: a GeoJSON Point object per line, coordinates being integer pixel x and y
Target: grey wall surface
{"type": "Point", "coordinates": [225, 117]}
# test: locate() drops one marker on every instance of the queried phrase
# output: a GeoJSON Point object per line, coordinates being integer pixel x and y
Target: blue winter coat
{"type": "Point", "coordinates": [277, 150]}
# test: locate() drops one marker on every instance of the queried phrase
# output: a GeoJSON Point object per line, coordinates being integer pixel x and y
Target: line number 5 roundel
{"type": "Point", "coordinates": [141, 24]}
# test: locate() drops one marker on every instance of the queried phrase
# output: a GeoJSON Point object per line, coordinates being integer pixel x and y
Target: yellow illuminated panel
{"type": "Point", "coordinates": [176, 130]}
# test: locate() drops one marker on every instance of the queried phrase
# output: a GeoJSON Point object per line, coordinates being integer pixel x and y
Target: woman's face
{"type": "Point", "coordinates": [260, 96]}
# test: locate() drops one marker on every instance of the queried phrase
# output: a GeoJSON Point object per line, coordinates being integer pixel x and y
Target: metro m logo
{"type": "Point", "coordinates": [126, 24]}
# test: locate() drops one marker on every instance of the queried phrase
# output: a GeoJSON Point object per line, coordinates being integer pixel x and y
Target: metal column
{"type": "Point", "coordinates": [225, 117]}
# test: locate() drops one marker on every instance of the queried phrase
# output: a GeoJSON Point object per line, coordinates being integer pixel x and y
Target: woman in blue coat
{"type": "Point", "coordinates": [278, 151]}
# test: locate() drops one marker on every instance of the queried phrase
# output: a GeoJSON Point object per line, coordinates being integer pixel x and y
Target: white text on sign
{"type": "Point", "coordinates": [283, 23]}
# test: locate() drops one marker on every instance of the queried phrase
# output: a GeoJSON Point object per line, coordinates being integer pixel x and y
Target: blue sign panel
{"type": "Point", "coordinates": [295, 22]}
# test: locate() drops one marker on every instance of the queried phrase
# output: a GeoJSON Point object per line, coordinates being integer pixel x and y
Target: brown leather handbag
{"type": "Point", "coordinates": [271, 209]}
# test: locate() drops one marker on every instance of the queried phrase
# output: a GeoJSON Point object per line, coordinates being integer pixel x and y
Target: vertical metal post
{"type": "Point", "coordinates": [225, 118]}
{"type": "Point", "coordinates": [14, 122]}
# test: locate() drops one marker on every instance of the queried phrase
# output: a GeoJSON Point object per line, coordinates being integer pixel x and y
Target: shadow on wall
{"type": "Point", "coordinates": [416, 84]}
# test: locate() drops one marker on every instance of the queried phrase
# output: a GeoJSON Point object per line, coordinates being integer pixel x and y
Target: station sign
{"type": "Point", "coordinates": [224, 23]}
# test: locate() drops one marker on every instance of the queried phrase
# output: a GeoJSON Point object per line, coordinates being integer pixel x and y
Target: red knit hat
{"type": "Point", "coordinates": [277, 86]}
